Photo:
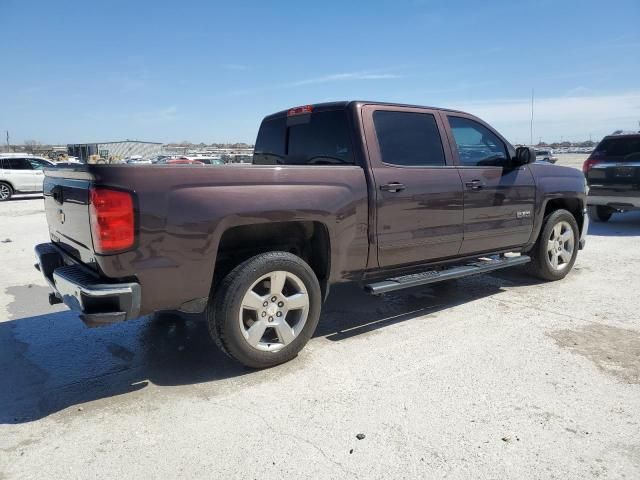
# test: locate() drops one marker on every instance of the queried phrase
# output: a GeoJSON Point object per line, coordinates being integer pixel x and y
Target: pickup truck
{"type": "Point", "coordinates": [390, 196]}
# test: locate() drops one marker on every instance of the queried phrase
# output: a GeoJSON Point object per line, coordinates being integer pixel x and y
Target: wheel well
{"type": "Point", "coordinates": [9, 184]}
{"type": "Point", "coordinates": [307, 240]}
{"type": "Point", "coordinates": [573, 205]}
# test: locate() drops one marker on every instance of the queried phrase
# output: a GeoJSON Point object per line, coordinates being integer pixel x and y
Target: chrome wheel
{"type": "Point", "coordinates": [5, 191]}
{"type": "Point", "coordinates": [560, 246]}
{"type": "Point", "coordinates": [274, 311]}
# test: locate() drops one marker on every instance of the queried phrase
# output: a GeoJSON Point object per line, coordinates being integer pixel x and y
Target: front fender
{"type": "Point", "coordinates": [557, 186]}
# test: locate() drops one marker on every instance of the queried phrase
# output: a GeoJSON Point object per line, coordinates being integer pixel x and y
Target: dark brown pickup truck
{"type": "Point", "coordinates": [391, 196]}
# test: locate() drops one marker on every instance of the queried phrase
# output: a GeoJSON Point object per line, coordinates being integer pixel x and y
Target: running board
{"type": "Point", "coordinates": [482, 265]}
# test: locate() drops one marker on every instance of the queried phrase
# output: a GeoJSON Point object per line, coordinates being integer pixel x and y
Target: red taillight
{"type": "Point", "coordinates": [300, 110]}
{"type": "Point", "coordinates": [112, 220]}
{"type": "Point", "coordinates": [588, 163]}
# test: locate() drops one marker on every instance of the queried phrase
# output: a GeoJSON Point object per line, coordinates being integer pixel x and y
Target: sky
{"type": "Point", "coordinates": [208, 71]}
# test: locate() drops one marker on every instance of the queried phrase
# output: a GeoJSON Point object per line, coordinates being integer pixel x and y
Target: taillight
{"type": "Point", "coordinates": [588, 163]}
{"type": "Point", "coordinates": [300, 110]}
{"type": "Point", "coordinates": [112, 220]}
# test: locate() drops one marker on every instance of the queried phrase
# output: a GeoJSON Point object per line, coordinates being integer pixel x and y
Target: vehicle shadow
{"type": "Point", "coordinates": [51, 362]}
{"type": "Point", "coordinates": [620, 225]}
{"type": "Point", "coordinates": [350, 311]}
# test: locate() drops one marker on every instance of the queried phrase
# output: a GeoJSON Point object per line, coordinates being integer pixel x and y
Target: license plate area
{"type": "Point", "coordinates": [623, 172]}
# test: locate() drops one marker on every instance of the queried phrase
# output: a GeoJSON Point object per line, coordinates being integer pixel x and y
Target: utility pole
{"type": "Point", "coordinates": [531, 123]}
{"type": "Point", "coordinates": [8, 144]}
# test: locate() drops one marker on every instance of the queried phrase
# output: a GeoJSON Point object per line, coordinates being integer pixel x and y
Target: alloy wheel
{"type": "Point", "coordinates": [560, 246]}
{"type": "Point", "coordinates": [5, 192]}
{"type": "Point", "coordinates": [274, 311]}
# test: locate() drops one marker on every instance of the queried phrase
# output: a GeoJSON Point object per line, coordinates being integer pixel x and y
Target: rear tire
{"type": "Point", "coordinates": [600, 213]}
{"type": "Point", "coordinates": [6, 192]}
{"type": "Point", "coordinates": [556, 249]}
{"type": "Point", "coordinates": [266, 310]}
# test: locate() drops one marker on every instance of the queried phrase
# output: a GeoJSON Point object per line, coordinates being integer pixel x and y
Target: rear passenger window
{"type": "Point", "coordinates": [17, 164]}
{"type": "Point", "coordinates": [408, 139]}
{"type": "Point", "coordinates": [320, 138]}
{"type": "Point", "coordinates": [477, 145]}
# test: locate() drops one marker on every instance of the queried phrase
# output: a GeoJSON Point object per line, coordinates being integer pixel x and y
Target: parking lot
{"type": "Point", "coordinates": [494, 376]}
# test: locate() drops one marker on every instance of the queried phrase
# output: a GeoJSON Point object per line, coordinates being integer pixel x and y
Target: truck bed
{"type": "Point", "coordinates": [181, 212]}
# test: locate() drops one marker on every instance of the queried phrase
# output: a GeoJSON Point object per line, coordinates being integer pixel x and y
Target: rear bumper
{"type": "Point", "coordinates": [98, 301]}
{"type": "Point", "coordinates": [619, 202]}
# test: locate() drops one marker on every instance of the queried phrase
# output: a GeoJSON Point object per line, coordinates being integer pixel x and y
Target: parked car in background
{"type": "Point", "coordinates": [209, 160]}
{"type": "Point", "coordinates": [21, 174]}
{"type": "Point", "coordinates": [545, 156]}
{"type": "Point", "coordinates": [162, 158]}
{"type": "Point", "coordinates": [180, 161]}
{"type": "Point", "coordinates": [613, 175]}
{"type": "Point", "coordinates": [137, 160]}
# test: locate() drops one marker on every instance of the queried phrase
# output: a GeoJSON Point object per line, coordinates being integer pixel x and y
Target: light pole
{"type": "Point", "coordinates": [531, 122]}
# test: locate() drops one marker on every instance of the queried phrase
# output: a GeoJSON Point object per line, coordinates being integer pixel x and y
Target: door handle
{"type": "Point", "coordinates": [392, 187]}
{"type": "Point", "coordinates": [56, 193]}
{"type": "Point", "coordinates": [474, 185]}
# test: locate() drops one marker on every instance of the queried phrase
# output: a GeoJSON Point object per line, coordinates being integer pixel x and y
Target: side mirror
{"type": "Point", "coordinates": [525, 155]}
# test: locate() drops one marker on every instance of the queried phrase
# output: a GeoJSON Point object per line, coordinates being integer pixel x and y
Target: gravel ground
{"type": "Point", "coordinates": [496, 376]}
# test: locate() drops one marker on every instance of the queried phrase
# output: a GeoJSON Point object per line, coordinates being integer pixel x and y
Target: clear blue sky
{"type": "Point", "coordinates": [75, 71]}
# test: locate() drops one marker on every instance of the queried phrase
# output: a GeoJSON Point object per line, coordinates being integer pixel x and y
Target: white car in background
{"type": "Point", "coordinates": [545, 155]}
{"type": "Point", "coordinates": [21, 174]}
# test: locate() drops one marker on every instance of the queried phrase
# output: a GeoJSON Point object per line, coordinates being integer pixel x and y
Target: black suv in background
{"type": "Point", "coordinates": [613, 175]}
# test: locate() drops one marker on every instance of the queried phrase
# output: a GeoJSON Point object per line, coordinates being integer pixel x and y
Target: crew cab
{"type": "Point", "coordinates": [389, 196]}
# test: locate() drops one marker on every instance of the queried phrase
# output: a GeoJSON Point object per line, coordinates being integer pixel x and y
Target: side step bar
{"type": "Point", "coordinates": [482, 265]}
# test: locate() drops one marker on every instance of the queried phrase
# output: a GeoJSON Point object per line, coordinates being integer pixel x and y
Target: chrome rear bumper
{"type": "Point", "coordinates": [98, 301]}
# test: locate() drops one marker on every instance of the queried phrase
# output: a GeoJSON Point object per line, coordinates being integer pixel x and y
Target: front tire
{"type": "Point", "coordinates": [555, 251]}
{"type": "Point", "coordinates": [266, 310]}
{"type": "Point", "coordinates": [5, 191]}
{"type": "Point", "coordinates": [600, 213]}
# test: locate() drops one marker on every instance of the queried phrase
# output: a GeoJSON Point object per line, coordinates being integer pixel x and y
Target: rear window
{"type": "Point", "coordinates": [626, 147]}
{"type": "Point", "coordinates": [320, 138]}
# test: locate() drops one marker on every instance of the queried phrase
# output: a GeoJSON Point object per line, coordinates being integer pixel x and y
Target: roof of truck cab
{"type": "Point", "coordinates": [344, 104]}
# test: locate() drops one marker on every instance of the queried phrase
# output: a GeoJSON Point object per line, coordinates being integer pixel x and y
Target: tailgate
{"type": "Point", "coordinates": [624, 175]}
{"type": "Point", "coordinates": [66, 200]}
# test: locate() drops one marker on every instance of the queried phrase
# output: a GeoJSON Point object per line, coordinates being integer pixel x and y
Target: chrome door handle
{"type": "Point", "coordinates": [392, 187]}
{"type": "Point", "coordinates": [474, 185]}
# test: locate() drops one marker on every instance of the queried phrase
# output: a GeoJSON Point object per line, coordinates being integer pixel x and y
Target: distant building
{"type": "Point", "coordinates": [114, 150]}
